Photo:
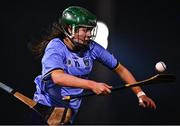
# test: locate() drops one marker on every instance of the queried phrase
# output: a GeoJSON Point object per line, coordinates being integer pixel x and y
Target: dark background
{"type": "Point", "coordinates": [141, 34]}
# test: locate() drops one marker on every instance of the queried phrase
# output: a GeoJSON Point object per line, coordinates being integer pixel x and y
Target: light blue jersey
{"type": "Point", "coordinates": [58, 56]}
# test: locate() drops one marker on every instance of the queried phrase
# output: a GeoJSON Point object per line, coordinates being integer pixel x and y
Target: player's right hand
{"type": "Point", "coordinates": [101, 88]}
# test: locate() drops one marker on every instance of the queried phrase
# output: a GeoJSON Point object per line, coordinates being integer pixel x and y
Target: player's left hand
{"type": "Point", "coordinates": [145, 101]}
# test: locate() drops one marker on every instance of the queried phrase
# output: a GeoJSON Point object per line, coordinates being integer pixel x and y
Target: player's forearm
{"type": "Point", "coordinates": [64, 79]}
{"type": "Point", "coordinates": [127, 77]}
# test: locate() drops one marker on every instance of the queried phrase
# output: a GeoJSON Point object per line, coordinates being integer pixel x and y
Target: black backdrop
{"type": "Point", "coordinates": [141, 34]}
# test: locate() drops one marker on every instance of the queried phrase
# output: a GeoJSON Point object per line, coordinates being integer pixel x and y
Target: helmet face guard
{"type": "Point", "coordinates": [76, 17]}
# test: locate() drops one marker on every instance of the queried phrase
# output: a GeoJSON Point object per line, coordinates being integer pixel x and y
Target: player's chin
{"type": "Point", "coordinates": [85, 42]}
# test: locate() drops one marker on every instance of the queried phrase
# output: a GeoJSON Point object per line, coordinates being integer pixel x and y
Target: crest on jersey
{"type": "Point", "coordinates": [86, 61]}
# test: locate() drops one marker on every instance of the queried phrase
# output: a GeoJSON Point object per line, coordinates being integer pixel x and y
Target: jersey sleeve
{"type": "Point", "coordinates": [53, 58]}
{"type": "Point", "coordinates": [104, 57]}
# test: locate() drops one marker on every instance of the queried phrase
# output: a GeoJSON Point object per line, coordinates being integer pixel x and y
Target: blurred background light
{"type": "Point", "coordinates": [102, 34]}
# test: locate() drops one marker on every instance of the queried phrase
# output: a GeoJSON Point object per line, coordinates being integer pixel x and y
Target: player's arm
{"type": "Point", "coordinates": [127, 77]}
{"type": "Point", "coordinates": [63, 79]}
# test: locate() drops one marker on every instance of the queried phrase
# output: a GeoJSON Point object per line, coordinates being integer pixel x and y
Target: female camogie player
{"type": "Point", "coordinates": [68, 54]}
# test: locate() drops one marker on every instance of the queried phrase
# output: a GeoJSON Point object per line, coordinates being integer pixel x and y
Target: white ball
{"type": "Point", "coordinates": [160, 66]}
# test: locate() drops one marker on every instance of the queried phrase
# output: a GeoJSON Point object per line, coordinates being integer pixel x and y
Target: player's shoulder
{"type": "Point", "coordinates": [56, 43]}
{"type": "Point", "coordinates": [96, 46]}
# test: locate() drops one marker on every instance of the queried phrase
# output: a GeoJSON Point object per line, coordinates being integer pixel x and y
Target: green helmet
{"type": "Point", "coordinates": [77, 16]}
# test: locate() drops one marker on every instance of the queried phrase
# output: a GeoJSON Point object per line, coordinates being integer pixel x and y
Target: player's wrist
{"type": "Point", "coordinates": [90, 84]}
{"type": "Point", "coordinates": [141, 93]}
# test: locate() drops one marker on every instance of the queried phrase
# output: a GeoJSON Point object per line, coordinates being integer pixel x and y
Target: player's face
{"type": "Point", "coordinates": [83, 35]}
